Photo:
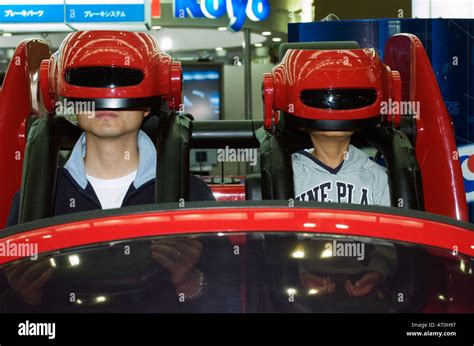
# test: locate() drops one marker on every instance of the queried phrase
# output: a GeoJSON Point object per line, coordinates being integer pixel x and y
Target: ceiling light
{"type": "Point", "coordinates": [258, 45]}
{"type": "Point", "coordinates": [166, 44]}
{"type": "Point", "coordinates": [266, 33]}
{"type": "Point", "coordinates": [276, 39]}
{"type": "Point", "coordinates": [222, 28]}
{"type": "Point", "coordinates": [156, 27]}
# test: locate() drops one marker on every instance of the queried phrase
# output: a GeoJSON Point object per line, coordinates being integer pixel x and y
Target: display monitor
{"type": "Point", "coordinates": [202, 90]}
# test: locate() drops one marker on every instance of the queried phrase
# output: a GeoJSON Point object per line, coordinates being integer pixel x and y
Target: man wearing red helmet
{"type": "Point", "coordinates": [112, 165]}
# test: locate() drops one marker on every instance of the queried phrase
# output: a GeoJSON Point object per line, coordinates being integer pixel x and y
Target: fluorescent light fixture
{"type": "Point", "coordinates": [219, 49]}
{"type": "Point", "coordinates": [7, 34]}
{"type": "Point", "coordinates": [276, 39]}
{"type": "Point", "coordinates": [267, 33]}
{"type": "Point", "coordinates": [258, 45]}
{"type": "Point", "coordinates": [156, 27]}
{"type": "Point", "coordinates": [222, 28]}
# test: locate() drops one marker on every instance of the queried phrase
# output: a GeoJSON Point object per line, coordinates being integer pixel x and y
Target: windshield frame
{"type": "Point", "coordinates": [190, 206]}
{"type": "Point", "coordinates": [71, 230]}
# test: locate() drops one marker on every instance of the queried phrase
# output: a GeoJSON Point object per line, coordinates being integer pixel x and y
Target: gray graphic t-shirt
{"type": "Point", "coordinates": [357, 180]}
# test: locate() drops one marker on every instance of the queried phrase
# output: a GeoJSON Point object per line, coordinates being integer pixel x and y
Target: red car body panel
{"type": "Point", "coordinates": [442, 239]}
{"type": "Point", "coordinates": [18, 100]}
{"type": "Point", "coordinates": [436, 150]}
{"type": "Point", "coordinates": [245, 220]}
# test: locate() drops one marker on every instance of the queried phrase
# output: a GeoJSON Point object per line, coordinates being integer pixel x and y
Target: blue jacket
{"type": "Point", "coordinates": [75, 194]}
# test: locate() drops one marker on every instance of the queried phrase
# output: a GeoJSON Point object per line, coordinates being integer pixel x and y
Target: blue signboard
{"type": "Point", "coordinates": [446, 41]}
{"type": "Point", "coordinates": [236, 10]}
{"type": "Point", "coordinates": [83, 11]}
{"type": "Point", "coordinates": [48, 11]}
{"type": "Point", "coordinates": [72, 11]}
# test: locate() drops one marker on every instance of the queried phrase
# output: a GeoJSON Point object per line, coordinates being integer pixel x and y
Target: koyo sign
{"type": "Point", "coordinates": [236, 10]}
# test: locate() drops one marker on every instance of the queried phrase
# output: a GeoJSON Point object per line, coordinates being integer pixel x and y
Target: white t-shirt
{"type": "Point", "coordinates": [111, 192]}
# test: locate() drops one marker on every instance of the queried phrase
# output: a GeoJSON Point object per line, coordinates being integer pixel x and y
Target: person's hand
{"type": "Point", "coordinates": [363, 286]}
{"type": "Point", "coordinates": [316, 285]}
{"type": "Point", "coordinates": [28, 279]}
{"type": "Point", "coordinates": [179, 257]}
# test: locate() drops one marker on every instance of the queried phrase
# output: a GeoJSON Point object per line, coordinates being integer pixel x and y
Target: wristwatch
{"type": "Point", "coordinates": [200, 291]}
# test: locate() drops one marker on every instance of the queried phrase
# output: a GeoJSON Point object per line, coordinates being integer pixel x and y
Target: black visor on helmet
{"type": "Point", "coordinates": [103, 76]}
{"type": "Point", "coordinates": [295, 123]}
{"type": "Point", "coordinates": [338, 99]}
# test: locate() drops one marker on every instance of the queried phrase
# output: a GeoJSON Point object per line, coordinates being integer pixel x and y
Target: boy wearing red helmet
{"type": "Point", "coordinates": [336, 171]}
{"type": "Point", "coordinates": [330, 94]}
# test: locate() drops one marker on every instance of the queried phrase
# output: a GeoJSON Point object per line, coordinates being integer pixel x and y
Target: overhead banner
{"type": "Point", "coordinates": [236, 10]}
{"type": "Point", "coordinates": [31, 11]}
{"type": "Point", "coordinates": [105, 11]}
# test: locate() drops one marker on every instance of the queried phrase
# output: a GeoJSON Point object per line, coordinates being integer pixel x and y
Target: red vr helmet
{"type": "Point", "coordinates": [330, 90]}
{"type": "Point", "coordinates": [113, 69]}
